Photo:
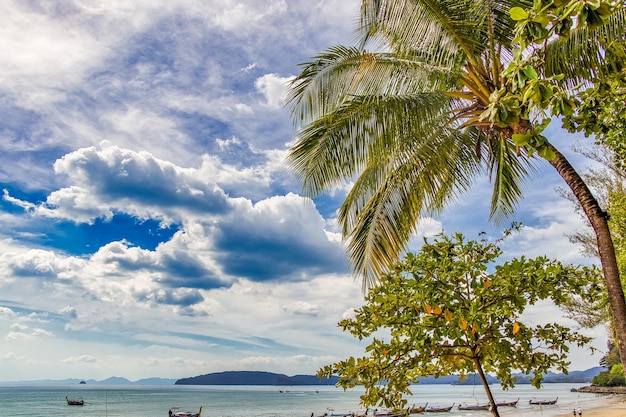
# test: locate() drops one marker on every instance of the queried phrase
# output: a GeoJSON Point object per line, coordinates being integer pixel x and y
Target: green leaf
{"type": "Point", "coordinates": [542, 19]}
{"type": "Point", "coordinates": [542, 126]}
{"type": "Point", "coordinates": [521, 139]}
{"type": "Point", "coordinates": [517, 14]}
{"type": "Point", "coordinates": [546, 153]}
{"type": "Point", "coordinates": [530, 72]}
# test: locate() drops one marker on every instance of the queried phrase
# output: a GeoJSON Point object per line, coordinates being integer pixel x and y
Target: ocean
{"type": "Point", "coordinates": [266, 401]}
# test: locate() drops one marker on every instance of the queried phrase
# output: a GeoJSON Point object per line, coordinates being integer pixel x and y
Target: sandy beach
{"type": "Point", "coordinates": [608, 405]}
{"type": "Point", "coordinates": [613, 406]}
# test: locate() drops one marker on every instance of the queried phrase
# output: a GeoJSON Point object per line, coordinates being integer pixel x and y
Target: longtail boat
{"type": "Point", "coordinates": [507, 403]}
{"type": "Point", "coordinates": [543, 402]}
{"type": "Point", "coordinates": [172, 413]}
{"type": "Point", "coordinates": [474, 406]}
{"type": "Point", "coordinates": [74, 402]}
{"type": "Point", "coordinates": [439, 409]}
{"type": "Point", "coordinates": [418, 410]}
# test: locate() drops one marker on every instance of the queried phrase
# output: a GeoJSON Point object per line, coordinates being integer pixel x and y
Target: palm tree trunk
{"type": "Point", "coordinates": [483, 379]}
{"type": "Point", "coordinates": [598, 219]}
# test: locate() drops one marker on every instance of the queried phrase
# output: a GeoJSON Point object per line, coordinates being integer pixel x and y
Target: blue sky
{"type": "Point", "coordinates": [148, 224]}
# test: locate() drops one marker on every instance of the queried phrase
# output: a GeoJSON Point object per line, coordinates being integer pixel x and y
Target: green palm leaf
{"type": "Point", "coordinates": [403, 122]}
{"type": "Point", "coordinates": [585, 51]}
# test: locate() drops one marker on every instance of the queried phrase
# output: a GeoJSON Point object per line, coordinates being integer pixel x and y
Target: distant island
{"type": "Point", "coordinates": [269, 378]}
{"type": "Point", "coordinates": [254, 378]}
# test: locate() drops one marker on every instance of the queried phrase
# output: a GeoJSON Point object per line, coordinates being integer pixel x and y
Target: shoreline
{"type": "Point", "coordinates": [592, 405]}
{"type": "Point", "coordinates": [595, 389]}
{"type": "Point", "coordinates": [612, 405]}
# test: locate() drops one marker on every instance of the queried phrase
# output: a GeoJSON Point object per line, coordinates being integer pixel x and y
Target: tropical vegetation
{"type": "Point", "coordinates": [450, 309]}
{"type": "Point", "coordinates": [438, 94]}
{"type": "Point", "coordinates": [614, 376]}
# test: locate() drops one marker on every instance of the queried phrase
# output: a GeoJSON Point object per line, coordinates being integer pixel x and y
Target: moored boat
{"type": "Point", "coordinates": [439, 409]}
{"type": "Point", "coordinates": [390, 413]}
{"type": "Point", "coordinates": [173, 413]}
{"type": "Point", "coordinates": [543, 402]}
{"type": "Point", "coordinates": [474, 406]}
{"type": "Point", "coordinates": [74, 402]}
{"type": "Point", "coordinates": [418, 410]}
{"type": "Point", "coordinates": [507, 403]}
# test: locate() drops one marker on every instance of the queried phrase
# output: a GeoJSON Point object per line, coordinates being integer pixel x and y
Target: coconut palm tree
{"type": "Point", "coordinates": [414, 114]}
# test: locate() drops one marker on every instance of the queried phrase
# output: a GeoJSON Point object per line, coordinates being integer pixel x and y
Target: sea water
{"type": "Point", "coordinates": [267, 401]}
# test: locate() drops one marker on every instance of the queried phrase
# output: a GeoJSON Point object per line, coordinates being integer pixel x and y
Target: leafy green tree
{"type": "Point", "coordinates": [615, 375]}
{"type": "Point", "coordinates": [602, 111]}
{"type": "Point", "coordinates": [450, 309]}
{"type": "Point", "coordinates": [437, 94]}
{"type": "Point", "coordinates": [597, 59]}
{"type": "Point", "coordinates": [612, 357]}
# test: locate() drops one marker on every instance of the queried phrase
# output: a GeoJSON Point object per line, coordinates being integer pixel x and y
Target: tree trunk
{"type": "Point", "coordinates": [483, 379]}
{"type": "Point", "coordinates": [598, 219]}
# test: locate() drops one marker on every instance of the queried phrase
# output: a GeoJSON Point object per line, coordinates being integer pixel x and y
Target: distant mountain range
{"type": "Point", "coordinates": [269, 378]}
{"type": "Point", "coordinates": [115, 380]}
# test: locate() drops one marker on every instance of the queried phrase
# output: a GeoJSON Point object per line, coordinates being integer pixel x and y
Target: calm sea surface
{"type": "Point", "coordinates": [264, 401]}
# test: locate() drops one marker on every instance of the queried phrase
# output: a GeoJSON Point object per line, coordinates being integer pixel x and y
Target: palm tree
{"type": "Point", "coordinates": [401, 113]}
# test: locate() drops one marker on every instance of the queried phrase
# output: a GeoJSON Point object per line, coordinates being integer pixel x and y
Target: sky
{"type": "Point", "coordinates": [149, 226]}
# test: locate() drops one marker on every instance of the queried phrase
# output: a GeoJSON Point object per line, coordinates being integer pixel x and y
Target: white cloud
{"type": "Point", "coordinates": [21, 332]}
{"type": "Point", "coordinates": [49, 57]}
{"type": "Point", "coordinates": [247, 15]}
{"type": "Point", "coordinates": [83, 359]}
{"type": "Point", "coordinates": [274, 88]}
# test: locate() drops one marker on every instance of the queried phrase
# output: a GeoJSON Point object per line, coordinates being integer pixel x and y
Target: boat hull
{"type": "Point", "coordinates": [474, 407]}
{"type": "Point", "coordinates": [543, 402]}
{"type": "Point", "coordinates": [74, 402]}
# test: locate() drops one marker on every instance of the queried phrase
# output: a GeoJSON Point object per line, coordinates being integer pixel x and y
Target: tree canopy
{"type": "Point", "coordinates": [452, 309]}
{"type": "Point", "coordinates": [437, 94]}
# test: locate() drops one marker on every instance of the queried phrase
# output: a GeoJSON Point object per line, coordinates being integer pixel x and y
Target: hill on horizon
{"type": "Point", "coordinates": [254, 378]}
{"type": "Point", "coordinates": [270, 378]}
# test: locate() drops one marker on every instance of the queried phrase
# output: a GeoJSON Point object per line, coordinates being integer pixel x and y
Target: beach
{"type": "Point", "coordinates": [610, 406]}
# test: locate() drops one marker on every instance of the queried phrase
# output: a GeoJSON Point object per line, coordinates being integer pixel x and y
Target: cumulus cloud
{"type": "Point", "coordinates": [80, 359]}
{"type": "Point", "coordinates": [274, 88]}
{"type": "Point", "coordinates": [302, 307]}
{"type": "Point", "coordinates": [21, 332]}
{"type": "Point", "coordinates": [37, 262]}
{"type": "Point", "coordinates": [113, 179]}
{"type": "Point", "coordinates": [6, 313]}
{"type": "Point", "coordinates": [220, 236]}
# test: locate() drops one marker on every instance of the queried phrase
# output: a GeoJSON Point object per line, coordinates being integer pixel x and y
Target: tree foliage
{"type": "Point", "coordinates": [450, 309]}
{"type": "Point", "coordinates": [435, 95]}
{"type": "Point", "coordinates": [602, 112]}
{"type": "Point", "coordinates": [614, 376]}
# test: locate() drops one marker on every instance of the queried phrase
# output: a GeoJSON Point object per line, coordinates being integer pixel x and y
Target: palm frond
{"type": "Point", "coordinates": [345, 72]}
{"type": "Point", "coordinates": [581, 56]}
{"type": "Point", "coordinates": [508, 170]}
{"type": "Point", "coordinates": [449, 32]}
{"type": "Point", "coordinates": [423, 175]}
{"type": "Point", "coordinates": [336, 147]}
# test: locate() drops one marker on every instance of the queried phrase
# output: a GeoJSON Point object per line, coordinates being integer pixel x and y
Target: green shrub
{"type": "Point", "coordinates": [612, 378]}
